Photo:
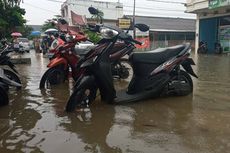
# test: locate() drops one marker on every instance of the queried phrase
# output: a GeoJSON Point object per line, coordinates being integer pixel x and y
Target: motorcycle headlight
{"type": "Point", "coordinates": [108, 33]}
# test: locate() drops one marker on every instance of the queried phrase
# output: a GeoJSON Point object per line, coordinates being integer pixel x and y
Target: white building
{"type": "Point", "coordinates": [112, 11]}
{"type": "Point", "coordinates": [212, 23]}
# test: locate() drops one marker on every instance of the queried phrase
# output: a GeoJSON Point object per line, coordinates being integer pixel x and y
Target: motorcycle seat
{"type": "Point", "coordinates": [158, 55]}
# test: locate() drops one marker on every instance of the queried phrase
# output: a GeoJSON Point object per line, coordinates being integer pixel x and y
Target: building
{"type": "Point", "coordinates": [212, 23]}
{"type": "Point", "coordinates": [112, 10]}
{"type": "Point", "coordinates": [166, 31]}
{"type": "Point", "coordinates": [163, 32]}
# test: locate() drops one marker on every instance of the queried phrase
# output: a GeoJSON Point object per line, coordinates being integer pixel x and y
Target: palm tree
{"type": "Point", "coordinates": [99, 16]}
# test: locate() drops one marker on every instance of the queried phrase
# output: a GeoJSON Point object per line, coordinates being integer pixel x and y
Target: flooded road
{"type": "Point", "coordinates": [35, 120]}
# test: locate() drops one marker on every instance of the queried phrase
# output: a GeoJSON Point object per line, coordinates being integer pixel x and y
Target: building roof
{"type": "Point", "coordinates": [168, 24]}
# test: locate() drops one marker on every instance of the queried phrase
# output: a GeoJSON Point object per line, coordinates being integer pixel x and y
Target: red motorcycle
{"type": "Point", "coordinates": [66, 56]}
{"type": "Point", "coordinates": [62, 61]}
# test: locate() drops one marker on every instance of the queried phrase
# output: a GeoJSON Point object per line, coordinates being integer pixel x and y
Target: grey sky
{"type": "Point", "coordinates": [38, 11]}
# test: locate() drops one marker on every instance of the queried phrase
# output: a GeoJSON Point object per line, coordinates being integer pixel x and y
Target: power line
{"type": "Point", "coordinates": [162, 9]}
{"type": "Point", "coordinates": [155, 8]}
{"type": "Point", "coordinates": [173, 2]}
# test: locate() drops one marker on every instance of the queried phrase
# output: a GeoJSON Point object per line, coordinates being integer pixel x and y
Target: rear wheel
{"type": "Point", "coordinates": [12, 76]}
{"type": "Point", "coordinates": [4, 100]}
{"type": "Point", "coordinates": [53, 76]}
{"type": "Point", "coordinates": [81, 98]}
{"type": "Point", "coordinates": [179, 85]}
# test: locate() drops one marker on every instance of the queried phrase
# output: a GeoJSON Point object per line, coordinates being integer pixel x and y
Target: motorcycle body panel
{"type": "Point", "coordinates": [58, 61]}
{"type": "Point", "coordinates": [187, 66]}
{"type": "Point", "coordinates": [6, 80]}
{"type": "Point", "coordinates": [5, 60]}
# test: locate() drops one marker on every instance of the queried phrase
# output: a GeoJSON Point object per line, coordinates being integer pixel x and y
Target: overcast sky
{"type": "Point", "coordinates": [38, 11]}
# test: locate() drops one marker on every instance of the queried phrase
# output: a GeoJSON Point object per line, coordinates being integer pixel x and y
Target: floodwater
{"type": "Point", "coordinates": [35, 121]}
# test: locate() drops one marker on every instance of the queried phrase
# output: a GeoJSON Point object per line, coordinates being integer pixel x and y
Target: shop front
{"type": "Point", "coordinates": [214, 26]}
{"type": "Point", "coordinates": [215, 32]}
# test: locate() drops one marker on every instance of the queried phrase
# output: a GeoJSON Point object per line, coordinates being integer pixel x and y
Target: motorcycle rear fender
{"type": "Point", "coordinates": [58, 61]}
{"type": "Point", "coordinates": [6, 61]}
{"type": "Point", "coordinates": [6, 80]}
{"type": "Point", "coordinates": [187, 66]}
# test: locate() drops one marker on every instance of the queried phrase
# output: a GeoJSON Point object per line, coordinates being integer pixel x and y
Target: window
{"type": "Point", "coordinates": [225, 21]}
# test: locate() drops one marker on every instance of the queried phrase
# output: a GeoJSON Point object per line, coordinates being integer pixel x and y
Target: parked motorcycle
{"type": "Point", "coordinates": [202, 48]}
{"type": "Point", "coordinates": [61, 62]}
{"type": "Point", "coordinates": [5, 61]}
{"type": "Point", "coordinates": [218, 48]}
{"type": "Point", "coordinates": [4, 96]}
{"type": "Point", "coordinates": [156, 73]}
{"type": "Point", "coordinates": [66, 55]}
{"type": "Point", "coordinates": [5, 83]}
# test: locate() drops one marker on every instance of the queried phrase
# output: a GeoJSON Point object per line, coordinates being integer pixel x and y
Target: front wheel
{"type": "Point", "coordinates": [4, 100]}
{"type": "Point", "coordinates": [123, 70]}
{"type": "Point", "coordinates": [81, 97]}
{"type": "Point", "coordinates": [53, 76]}
{"type": "Point", "coordinates": [181, 84]}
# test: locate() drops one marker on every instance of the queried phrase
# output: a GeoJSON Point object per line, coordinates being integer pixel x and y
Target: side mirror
{"type": "Point", "coordinates": [142, 27]}
{"type": "Point", "coordinates": [93, 11]}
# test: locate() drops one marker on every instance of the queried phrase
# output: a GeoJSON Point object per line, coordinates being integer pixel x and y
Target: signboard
{"type": "Point", "coordinates": [218, 3]}
{"type": "Point", "coordinates": [124, 23]}
{"type": "Point", "coordinates": [224, 36]}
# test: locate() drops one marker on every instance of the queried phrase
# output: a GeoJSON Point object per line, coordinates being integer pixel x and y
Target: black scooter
{"type": "Point", "coordinates": [5, 83]}
{"type": "Point", "coordinates": [202, 48]}
{"type": "Point", "coordinates": [156, 72]}
{"type": "Point", "coordinates": [5, 61]}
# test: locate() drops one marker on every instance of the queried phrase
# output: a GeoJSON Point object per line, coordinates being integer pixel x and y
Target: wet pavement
{"type": "Point", "coordinates": [35, 120]}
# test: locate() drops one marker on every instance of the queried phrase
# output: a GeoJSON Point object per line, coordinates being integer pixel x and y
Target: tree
{"type": "Point", "coordinates": [99, 16]}
{"type": "Point", "coordinates": [49, 23]}
{"type": "Point", "coordinates": [25, 30]}
{"type": "Point", "coordinates": [11, 17]}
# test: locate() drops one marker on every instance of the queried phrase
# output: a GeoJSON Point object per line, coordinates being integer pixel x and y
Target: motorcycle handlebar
{"type": "Point", "coordinates": [136, 42]}
{"type": "Point", "coordinates": [128, 38]}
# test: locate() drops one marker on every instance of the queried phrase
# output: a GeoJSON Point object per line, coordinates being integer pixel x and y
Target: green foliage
{"type": "Point", "coordinates": [25, 30]}
{"type": "Point", "coordinates": [94, 37]}
{"type": "Point", "coordinates": [11, 17]}
{"type": "Point", "coordinates": [47, 25]}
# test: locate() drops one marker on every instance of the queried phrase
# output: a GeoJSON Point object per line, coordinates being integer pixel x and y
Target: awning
{"type": "Point", "coordinates": [78, 19]}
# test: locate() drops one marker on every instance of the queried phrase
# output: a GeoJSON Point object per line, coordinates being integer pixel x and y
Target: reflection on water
{"type": "Point", "coordinates": [35, 120]}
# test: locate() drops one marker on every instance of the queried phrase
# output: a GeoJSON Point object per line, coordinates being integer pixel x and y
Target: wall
{"type": "Point", "coordinates": [112, 11]}
{"type": "Point", "coordinates": [208, 32]}
{"type": "Point", "coordinates": [194, 5]}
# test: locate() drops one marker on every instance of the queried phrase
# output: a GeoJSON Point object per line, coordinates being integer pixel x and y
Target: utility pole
{"type": "Point", "coordinates": [134, 11]}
